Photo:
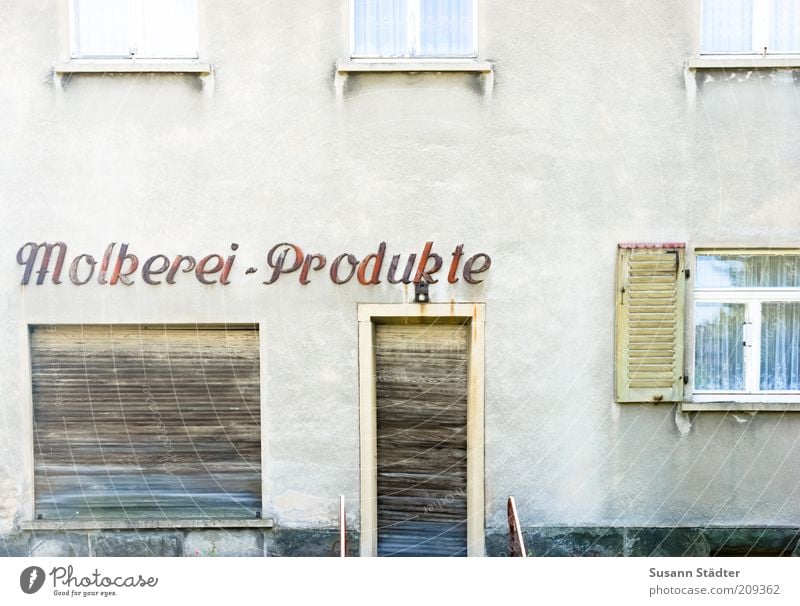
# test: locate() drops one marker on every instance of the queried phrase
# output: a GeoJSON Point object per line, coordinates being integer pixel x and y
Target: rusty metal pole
{"type": "Point", "coordinates": [516, 542]}
{"type": "Point", "coordinates": [342, 528]}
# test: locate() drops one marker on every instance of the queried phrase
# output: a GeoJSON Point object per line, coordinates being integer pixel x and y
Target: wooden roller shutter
{"type": "Point", "coordinates": [649, 318]}
{"type": "Point", "coordinates": [422, 439]}
{"type": "Point", "coordinates": [146, 421]}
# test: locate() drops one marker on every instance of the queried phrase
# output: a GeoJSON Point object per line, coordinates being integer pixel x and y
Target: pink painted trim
{"type": "Point", "coordinates": [652, 245]}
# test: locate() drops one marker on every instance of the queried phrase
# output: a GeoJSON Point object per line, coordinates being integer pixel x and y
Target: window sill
{"type": "Point", "coordinates": [742, 61]}
{"type": "Point", "coordinates": [145, 524]}
{"type": "Point", "coordinates": [720, 406]}
{"type": "Point", "coordinates": [126, 67]}
{"type": "Point", "coordinates": [355, 66]}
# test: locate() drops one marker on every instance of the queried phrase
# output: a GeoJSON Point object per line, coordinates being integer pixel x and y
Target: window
{"type": "Point", "coordinates": [747, 325]}
{"type": "Point", "coordinates": [142, 422]}
{"type": "Point", "coordinates": [750, 26]}
{"type": "Point", "coordinates": [413, 28]}
{"type": "Point", "coordinates": [134, 29]}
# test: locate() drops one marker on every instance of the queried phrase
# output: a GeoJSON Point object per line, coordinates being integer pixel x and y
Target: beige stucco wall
{"type": "Point", "coordinates": [592, 134]}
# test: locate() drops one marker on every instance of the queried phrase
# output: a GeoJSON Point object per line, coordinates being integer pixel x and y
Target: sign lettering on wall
{"type": "Point", "coordinates": [119, 265]}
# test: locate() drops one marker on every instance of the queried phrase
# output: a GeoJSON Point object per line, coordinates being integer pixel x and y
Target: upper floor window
{"type": "Point", "coordinates": [413, 28]}
{"type": "Point", "coordinates": [750, 26]}
{"type": "Point", "coordinates": [747, 323]}
{"type": "Point", "coordinates": [134, 29]}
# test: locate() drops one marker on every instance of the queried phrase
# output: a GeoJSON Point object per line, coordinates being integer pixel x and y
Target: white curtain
{"type": "Point", "coordinates": [748, 271]}
{"type": "Point", "coordinates": [103, 28]}
{"type": "Point", "coordinates": [169, 29]}
{"type": "Point", "coordinates": [379, 28]}
{"type": "Point", "coordinates": [727, 26]}
{"type": "Point", "coordinates": [719, 355]}
{"type": "Point", "coordinates": [784, 26]}
{"type": "Point", "coordinates": [780, 346]}
{"type": "Point", "coordinates": [156, 29]}
{"type": "Point", "coordinates": [446, 28]}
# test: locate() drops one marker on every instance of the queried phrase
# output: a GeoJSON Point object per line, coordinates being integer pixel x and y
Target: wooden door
{"type": "Point", "coordinates": [422, 439]}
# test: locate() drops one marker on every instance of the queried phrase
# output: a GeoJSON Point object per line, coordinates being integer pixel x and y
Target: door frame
{"type": "Point", "coordinates": [370, 314]}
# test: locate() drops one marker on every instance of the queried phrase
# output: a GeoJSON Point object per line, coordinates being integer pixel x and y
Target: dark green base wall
{"type": "Point", "coordinates": [283, 542]}
{"type": "Point", "coordinates": [660, 542]}
{"type": "Point", "coordinates": [177, 543]}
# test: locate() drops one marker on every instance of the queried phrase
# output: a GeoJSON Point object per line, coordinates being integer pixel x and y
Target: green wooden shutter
{"type": "Point", "coordinates": [649, 322]}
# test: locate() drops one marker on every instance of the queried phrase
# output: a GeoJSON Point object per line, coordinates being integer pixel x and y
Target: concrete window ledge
{"type": "Point", "coordinates": [145, 524]}
{"type": "Point", "coordinates": [132, 67]}
{"type": "Point", "coordinates": [355, 67]}
{"type": "Point", "coordinates": [743, 62]}
{"type": "Point", "coordinates": [348, 66]}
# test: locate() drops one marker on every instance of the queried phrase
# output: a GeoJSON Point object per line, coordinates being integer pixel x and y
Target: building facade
{"type": "Point", "coordinates": [216, 217]}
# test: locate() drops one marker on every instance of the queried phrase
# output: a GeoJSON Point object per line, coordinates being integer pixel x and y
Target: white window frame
{"type": "Point", "coordinates": [413, 37]}
{"type": "Point", "coordinates": [752, 298]}
{"type": "Point", "coordinates": [760, 34]}
{"type": "Point", "coordinates": [135, 33]}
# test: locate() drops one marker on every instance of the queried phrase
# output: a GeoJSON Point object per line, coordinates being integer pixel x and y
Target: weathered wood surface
{"type": "Point", "coordinates": [422, 446]}
{"type": "Point", "coordinates": [146, 421]}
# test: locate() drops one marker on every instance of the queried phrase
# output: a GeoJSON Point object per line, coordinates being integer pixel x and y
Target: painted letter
{"type": "Point", "coordinates": [201, 270]}
{"type": "Point", "coordinates": [101, 275]}
{"type": "Point", "coordinates": [307, 265]}
{"type": "Point", "coordinates": [468, 271]}
{"type": "Point", "coordinates": [147, 268]}
{"type": "Point", "coordinates": [335, 268]}
{"type": "Point", "coordinates": [422, 270]}
{"type": "Point", "coordinates": [33, 252]}
{"type": "Point", "coordinates": [176, 264]}
{"type": "Point", "coordinates": [73, 269]}
{"type": "Point", "coordinates": [406, 279]}
{"type": "Point", "coordinates": [223, 278]}
{"type": "Point", "coordinates": [276, 265]}
{"type": "Point", "coordinates": [452, 277]}
{"type": "Point", "coordinates": [123, 256]}
{"type": "Point", "coordinates": [378, 259]}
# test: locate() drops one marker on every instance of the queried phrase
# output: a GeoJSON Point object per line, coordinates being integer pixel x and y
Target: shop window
{"type": "Point", "coordinates": [747, 324]}
{"type": "Point", "coordinates": [134, 29]}
{"type": "Point", "coordinates": [750, 27]}
{"type": "Point", "coordinates": [133, 422]}
{"type": "Point", "coordinates": [413, 28]}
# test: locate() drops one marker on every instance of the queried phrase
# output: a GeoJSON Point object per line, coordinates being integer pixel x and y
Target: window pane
{"type": "Point", "coordinates": [446, 28]}
{"type": "Point", "coordinates": [780, 346]}
{"type": "Point", "coordinates": [379, 28]}
{"type": "Point", "coordinates": [718, 351]}
{"type": "Point", "coordinates": [169, 29]}
{"type": "Point", "coordinates": [748, 271]}
{"type": "Point", "coordinates": [784, 35]}
{"type": "Point", "coordinates": [727, 26]}
{"type": "Point", "coordinates": [102, 28]}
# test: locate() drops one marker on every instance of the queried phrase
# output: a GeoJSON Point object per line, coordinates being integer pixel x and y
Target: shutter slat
{"type": "Point", "coordinates": [649, 323]}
